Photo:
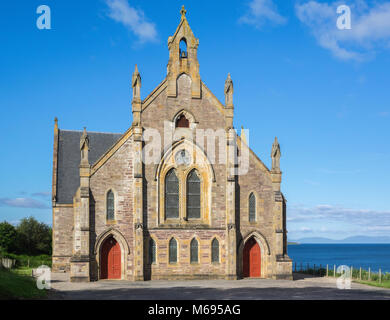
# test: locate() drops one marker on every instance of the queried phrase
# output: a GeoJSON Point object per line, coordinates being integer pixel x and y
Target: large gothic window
{"type": "Point", "coordinates": [193, 195]}
{"type": "Point", "coordinates": [215, 250]}
{"type": "Point", "coordinates": [152, 251]}
{"type": "Point", "coordinates": [252, 207]}
{"type": "Point", "coordinates": [194, 251]}
{"type": "Point", "coordinates": [172, 251]}
{"type": "Point", "coordinates": [110, 206]}
{"type": "Point", "coordinates": [171, 195]}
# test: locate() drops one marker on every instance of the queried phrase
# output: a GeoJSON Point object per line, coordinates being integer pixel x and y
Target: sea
{"type": "Point", "coordinates": [374, 256]}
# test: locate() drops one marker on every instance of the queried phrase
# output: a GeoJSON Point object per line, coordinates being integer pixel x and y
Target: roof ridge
{"type": "Point", "coordinates": [89, 131]}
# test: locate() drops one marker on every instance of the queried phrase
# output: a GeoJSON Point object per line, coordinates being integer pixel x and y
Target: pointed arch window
{"type": "Point", "coordinates": [182, 122]}
{"type": "Point", "coordinates": [193, 195]}
{"type": "Point", "coordinates": [172, 251]}
{"type": "Point", "coordinates": [110, 206]}
{"type": "Point", "coordinates": [194, 252]}
{"type": "Point", "coordinates": [252, 207]}
{"type": "Point", "coordinates": [152, 251]}
{"type": "Point", "coordinates": [183, 48]}
{"type": "Point", "coordinates": [215, 250]}
{"type": "Point", "coordinates": [171, 195]}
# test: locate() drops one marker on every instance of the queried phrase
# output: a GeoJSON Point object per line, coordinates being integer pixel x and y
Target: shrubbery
{"type": "Point", "coordinates": [29, 238]}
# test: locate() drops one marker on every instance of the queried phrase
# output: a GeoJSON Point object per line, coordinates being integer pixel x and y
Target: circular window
{"type": "Point", "coordinates": [183, 158]}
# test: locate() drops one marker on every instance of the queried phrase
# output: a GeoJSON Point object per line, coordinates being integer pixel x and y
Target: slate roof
{"type": "Point", "coordinates": [68, 179]}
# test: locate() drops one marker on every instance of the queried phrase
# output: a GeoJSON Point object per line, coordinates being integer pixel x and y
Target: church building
{"type": "Point", "coordinates": [198, 204]}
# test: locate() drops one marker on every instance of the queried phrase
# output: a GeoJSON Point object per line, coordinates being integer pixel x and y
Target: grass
{"type": "Point", "coordinates": [383, 284]}
{"type": "Point", "coordinates": [18, 284]}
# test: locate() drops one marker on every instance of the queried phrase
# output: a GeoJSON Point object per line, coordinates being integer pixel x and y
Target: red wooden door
{"type": "Point", "coordinates": [252, 259]}
{"type": "Point", "coordinates": [110, 260]}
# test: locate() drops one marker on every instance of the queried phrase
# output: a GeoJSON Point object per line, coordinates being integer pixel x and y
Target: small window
{"type": "Point", "coordinates": [110, 205]}
{"type": "Point", "coordinates": [182, 122]}
{"type": "Point", "coordinates": [194, 251]}
{"type": "Point", "coordinates": [252, 207]}
{"type": "Point", "coordinates": [152, 251]}
{"type": "Point", "coordinates": [193, 195]}
{"type": "Point", "coordinates": [171, 195]}
{"type": "Point", "coordinates": [183, 48]}
{"type": "Point", "coordinates": [172, 251]}
{"type": "Point", "coordinates": [215, 250]}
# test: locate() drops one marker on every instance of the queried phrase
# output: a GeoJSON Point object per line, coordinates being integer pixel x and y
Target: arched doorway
{"type": "Point", "coordinates": [252, 259]}
{"type": "Point", "coordinates": [110, 259]}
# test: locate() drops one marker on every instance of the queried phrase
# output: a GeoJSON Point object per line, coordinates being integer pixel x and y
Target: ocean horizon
{"type": "Point", "coordinates": [364, 255]}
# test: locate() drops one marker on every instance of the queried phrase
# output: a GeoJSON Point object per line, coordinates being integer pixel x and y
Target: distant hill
{"type": "Point", "coordinates": [354, 239]}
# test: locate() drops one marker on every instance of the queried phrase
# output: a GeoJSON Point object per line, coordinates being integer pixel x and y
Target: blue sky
{"type": "Point", "coordinates": [324, 92]}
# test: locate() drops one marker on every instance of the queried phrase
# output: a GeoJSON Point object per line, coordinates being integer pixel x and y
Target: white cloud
{"type": "Point", "coordinates": [261, 12]}
{"type": "Point", "coordinates": [134, 19]}
{"type": "Point", "coordinates": [23, 203]}
{"type": "Point", "coordinates": [368, 222]}
{"type": "Point", "coordinates": [370, 28]}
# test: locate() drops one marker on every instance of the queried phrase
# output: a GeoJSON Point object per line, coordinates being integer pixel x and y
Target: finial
{"type": "Point", "coordinates": [136, 69]}
{"type": "Point", "coordinates": [56, 120]}
{"type": "Point", "coordinates": [243, 135]}
{"type": "Point", "coordinates": [183, 11]}
{"type": "Point", "coordinates": [275, 155]}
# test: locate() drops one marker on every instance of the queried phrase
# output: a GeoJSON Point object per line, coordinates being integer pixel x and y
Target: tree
{"type": "Point", "coordinates": [7, 237]}
{"type": "Point", "coordinates": [33, 237]}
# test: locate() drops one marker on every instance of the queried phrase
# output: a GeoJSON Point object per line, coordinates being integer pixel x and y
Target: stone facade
{"type": "Point", "coordinates": [138, 188]}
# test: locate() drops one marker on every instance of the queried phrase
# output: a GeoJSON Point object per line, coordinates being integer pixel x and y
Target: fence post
{"type": "Point", "coordinates": [295, 266]}
{"type": "Point", "coordinates": [351, 272]}
{"type": "Point", "coordinates": [380, 275]}
{"type": "Point", "coordinates": [334, 271]}
{"type": "Point", "coordinates": [327, 270]}
{"type": "Point", "coordinates": [360, 274]}
{"type": "Point", "coordinates": [369, 273]}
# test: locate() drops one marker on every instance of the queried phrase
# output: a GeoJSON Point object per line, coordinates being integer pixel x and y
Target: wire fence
{"type": "Point", "coordinates": [12, 261]}
{"type": "Point", "coordinates": [331, 271]}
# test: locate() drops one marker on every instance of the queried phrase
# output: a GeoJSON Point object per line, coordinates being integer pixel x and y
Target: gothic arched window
{"type": "Point", "coordinates": [215, 250]}
{"type": "Point", "coordinates": [110, 206]}
{"type": "Point", "coordinates": [171, 195]}
{"type": "Point", "coordinates": [193, 195]}
{"type": "Point", "coordinates": [252, 207]}
{"type": "Point", "coordinates": [172, 251]}
{"type": "Point", "coordinates": [152, 251]}
{"type": "Point", "coordinates": [194, 251]}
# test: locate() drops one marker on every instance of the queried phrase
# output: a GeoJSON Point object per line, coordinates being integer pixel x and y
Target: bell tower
{"type": "Point", "coordinates": [183, 47]}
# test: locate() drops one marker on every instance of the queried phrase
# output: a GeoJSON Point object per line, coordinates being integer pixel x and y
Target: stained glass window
{"type": "Point", "coordinates": [172, 251]}
{"type": "Point", "coordinates": [215, 250]}
{"type": "Point", "coordinates": [110, 205]}
{"type": "Point", "coordinates": [194, 251]}
{"type": "Point", "coordinates": [252, 207]}
{"type": "Point", "coordinates": [193, 195]}
{"type": "Point", "coordinates": [171, 195]}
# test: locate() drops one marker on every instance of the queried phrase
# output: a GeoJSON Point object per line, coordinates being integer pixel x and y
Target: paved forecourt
{"type": "Point", "coordinates": [303, 287]}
